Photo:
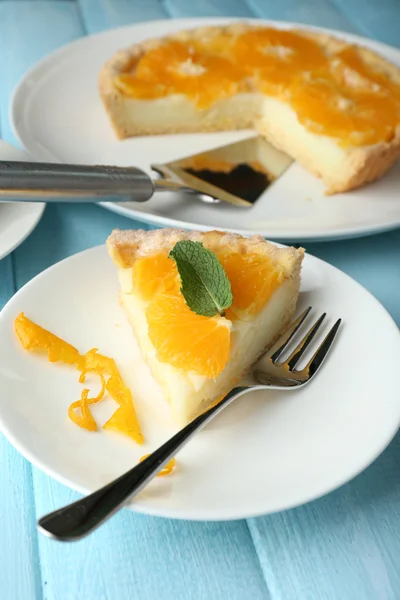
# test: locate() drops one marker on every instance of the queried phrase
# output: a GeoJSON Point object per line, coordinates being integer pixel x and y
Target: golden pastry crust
{"type": "Point", "coordinates": [359, 165]}
{"type": "Point", "coordinates": [125, 247]}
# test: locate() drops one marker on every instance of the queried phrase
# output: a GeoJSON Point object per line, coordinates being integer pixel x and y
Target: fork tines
{"type": "Point", "coordinates": [319, 355]}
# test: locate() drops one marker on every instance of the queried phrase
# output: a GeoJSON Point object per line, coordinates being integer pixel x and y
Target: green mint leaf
{"type": "Point", "coordinates": [205, 285]}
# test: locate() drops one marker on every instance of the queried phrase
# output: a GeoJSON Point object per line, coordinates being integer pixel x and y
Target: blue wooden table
{"type": "Point", "coordinates": [345, 546]}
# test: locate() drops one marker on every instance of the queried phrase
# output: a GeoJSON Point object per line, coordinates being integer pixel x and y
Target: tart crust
{"type": "Point", "coordinates": [126, 246]}
{"type": "Point", "coordinates": [353, 167]}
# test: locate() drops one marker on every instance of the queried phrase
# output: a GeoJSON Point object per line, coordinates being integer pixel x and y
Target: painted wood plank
{"type": "Point", "coordinates": [310, 12]}
{"type": "Point", "coordinates": [208, 8]}
{"type": "Point", "coordinates": [28, 31]}
{"type": "Point", "coordinates": [378, 20]}
{"type": "Point", "coordinates": [345, 545]}
{"type": "Point", "coordinates": [134, 557]}
{"type": "Point", "coordinates": [103, 14]}
{"type": "Point", "coordinates": [65, 229]}
{"type": "Point", "coordinates": [19, 559]}
{"type": "Point", "coordinates": [7, 287]}
{"type": "Point", "coordinates": [311, 566]}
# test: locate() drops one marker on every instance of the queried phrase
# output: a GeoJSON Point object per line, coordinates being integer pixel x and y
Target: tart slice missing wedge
{"type": "Point", "coordinates": [196, 358]}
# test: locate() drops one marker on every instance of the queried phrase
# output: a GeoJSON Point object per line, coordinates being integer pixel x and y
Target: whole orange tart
{"type": "Point", "coordinates": [196, 358]}
{"type": "Point", "coordinates": [332, 106]}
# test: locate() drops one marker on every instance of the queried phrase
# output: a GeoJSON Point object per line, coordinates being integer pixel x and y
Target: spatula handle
{"type": "Point", "coordinates": [65, 183]}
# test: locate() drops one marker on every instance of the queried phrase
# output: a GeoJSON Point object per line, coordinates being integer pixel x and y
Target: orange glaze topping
{"type": "Point", "coordinates": [337, 94]}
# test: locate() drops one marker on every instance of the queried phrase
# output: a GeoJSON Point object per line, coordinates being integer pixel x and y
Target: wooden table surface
{"type": "Point", "coordinates": [345, 546]}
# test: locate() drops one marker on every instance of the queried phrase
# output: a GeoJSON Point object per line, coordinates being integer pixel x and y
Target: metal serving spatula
{"type": "Point", "coordinates": [237, 173]}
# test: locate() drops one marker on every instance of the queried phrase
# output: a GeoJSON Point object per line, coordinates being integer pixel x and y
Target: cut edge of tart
{"type": "Point", "coordinates": [197, 359]}
{"type": "Point", "coordinates": [342, 164]}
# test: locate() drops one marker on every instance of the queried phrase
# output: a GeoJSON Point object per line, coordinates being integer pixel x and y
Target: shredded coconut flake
{"type": "Point", "coordinates": [280, 51]}
{"type": "Point", "coordinates": [354, 79]}
{"type": "Point", "coordinates": [344, 103]}
{"type": "Point", "coordinates": [190, 68]}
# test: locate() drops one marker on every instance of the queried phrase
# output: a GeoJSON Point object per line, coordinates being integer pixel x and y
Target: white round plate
{"type": "Point", "coordinates": [268, 452]}
{"type": "Point", "coordinates": [58, 116]}
{"type": "Point", "coordinates": [17, 219]}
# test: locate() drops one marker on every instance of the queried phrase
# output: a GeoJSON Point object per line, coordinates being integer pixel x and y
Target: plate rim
{"type": "Point", "coordinates": [161, 221]}
{"type": "Point", "coordinates": [173, 512]}
{"type": "Point", "coordinates": [10, 152]}
{"type": "Point", "coordinates": [17, 242]}
{"type": "Point", "coordinates": [156, 221]}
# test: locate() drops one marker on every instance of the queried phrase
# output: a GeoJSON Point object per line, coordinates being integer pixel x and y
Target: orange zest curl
{"type": "Point", "coordinates": [124, 419]}
{"type": "Point", "coordinates": [118, 390]}
{"type": "Point", "coordinates": [85, 419]}
{"type": "Point", "coordinates": [92, 361]}
{"type": "Point", "coordinates": [100, 395]}
{"type": "Point", "coordinates": [166, 470]}
{"type": "Point", "coordinates": [34, 337]}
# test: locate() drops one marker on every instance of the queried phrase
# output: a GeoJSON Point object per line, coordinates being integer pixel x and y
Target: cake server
{"type": "Point", "coordinates": [237, 173]}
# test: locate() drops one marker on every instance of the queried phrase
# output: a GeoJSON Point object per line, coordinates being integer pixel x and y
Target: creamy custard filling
{"type": "Point", "coordinates": [270, 116]}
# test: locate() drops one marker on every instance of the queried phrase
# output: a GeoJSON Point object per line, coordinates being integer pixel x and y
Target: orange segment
{"type": "Point", "coordinates": [189, 341]}
{"type": "Point", "coordinates": [276, 57]}
{"type": "Point", "coordinates": [176, 68]}
{"type": "Point", "coordinates": [324, 106]}
{"type": "Point", "coordinates": [348, 69]}
{"type": "Point", "coordinates": [181, 337]}
{"type": "Point", "coordinates": [34, 337]}
{"type": "Point", "coordinates": [152, 274]}
{"type": "Point", "coordinates": [186, 340]}
{"type": "Point", "coordinates": [124, 420]}
{"type": "Point", "coordinates": [356, 102]}
{"type": "Point", "coordinates": [265, 46]}
{"type": "Point", "coordinates": [132, 86]}
{"type": "Point", "coordinates": [253, 277]}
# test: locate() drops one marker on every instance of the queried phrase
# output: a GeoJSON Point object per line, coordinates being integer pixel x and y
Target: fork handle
{"type": "Point", "coordinates": [77, 520]}
{"type": "Point", "coordinates": [54, 182]}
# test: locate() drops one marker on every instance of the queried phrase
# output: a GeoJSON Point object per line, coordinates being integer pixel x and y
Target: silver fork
{"type": "Point", "coordinates": [80, 518]}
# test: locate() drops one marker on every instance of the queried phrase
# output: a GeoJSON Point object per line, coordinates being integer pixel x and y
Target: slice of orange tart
{"type": "Point", "coordinates": [332, 106]}
{"type": "Point", "coordinates": [195, 358]}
